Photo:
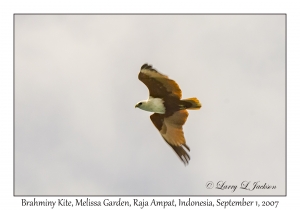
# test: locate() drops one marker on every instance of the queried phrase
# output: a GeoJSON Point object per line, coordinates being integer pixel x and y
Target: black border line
{"type": "Point", "coordinates": [14, 194]}
{"type": "Point", "coordinates": [14, 116]}
{"type": "Point", "coordinates": [285, 105]}
{"type": "Point", "coordinates": [150, 13]}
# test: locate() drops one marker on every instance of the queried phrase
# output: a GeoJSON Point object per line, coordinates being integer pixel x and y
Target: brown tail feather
{"type": "Point", "coordinates": [191, 103]}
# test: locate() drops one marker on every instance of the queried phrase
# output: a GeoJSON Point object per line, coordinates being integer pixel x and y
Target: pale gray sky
{"type": "Point", "coordinates": [77, 131]}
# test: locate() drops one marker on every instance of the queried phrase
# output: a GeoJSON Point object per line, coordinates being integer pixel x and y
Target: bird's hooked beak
{"type": "Point", "coordinates": [138, 104]}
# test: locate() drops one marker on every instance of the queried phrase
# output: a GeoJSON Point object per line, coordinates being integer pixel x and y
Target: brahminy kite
{"type": "Point", "coordinates": [169, 109]}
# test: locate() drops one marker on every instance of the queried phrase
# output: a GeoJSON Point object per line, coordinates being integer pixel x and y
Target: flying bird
{"type": "Point", "coordinates": [169, 109]}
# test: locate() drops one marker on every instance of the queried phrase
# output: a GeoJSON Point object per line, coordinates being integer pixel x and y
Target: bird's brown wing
{"type": "Point", "coordinates": [159, 85]}
{"type": "Point", "coordinates": [171, 130]}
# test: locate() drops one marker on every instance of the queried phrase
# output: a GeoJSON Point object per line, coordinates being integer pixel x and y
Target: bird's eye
{"type": "Point", "coordinates": [140, 103]}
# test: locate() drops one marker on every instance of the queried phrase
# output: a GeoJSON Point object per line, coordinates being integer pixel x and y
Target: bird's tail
{"type": "Point", "coordinates": [190, 103]}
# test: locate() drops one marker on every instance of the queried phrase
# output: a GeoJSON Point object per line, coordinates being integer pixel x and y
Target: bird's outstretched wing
{"type": "Point", "coordinates": [171, 130]}
{"type": "Point", "coordinates": [159, 85]}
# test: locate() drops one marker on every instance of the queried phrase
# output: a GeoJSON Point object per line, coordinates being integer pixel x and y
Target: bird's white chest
{"type": "Point", "coordinates": [155, 105]}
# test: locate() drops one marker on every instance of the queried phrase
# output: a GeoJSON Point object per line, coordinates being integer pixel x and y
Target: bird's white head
{"type": "Point", "coordinates": [141, 105]}
{"type": "Point", "coordinates": [152, 105]}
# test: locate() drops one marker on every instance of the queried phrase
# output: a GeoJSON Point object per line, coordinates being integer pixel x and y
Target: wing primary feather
{"type": "Point", "coordinates": [146, 66]}
{"type": "Point", "coordinates": [182, 154]}
{"type": "Point", "coordinates": [186, 146]}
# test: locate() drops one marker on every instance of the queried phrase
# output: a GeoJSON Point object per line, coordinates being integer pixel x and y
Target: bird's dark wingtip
{"type": "Point", "coordinates": [146, 66]}
{"type": "Point", "coordinates": [182, 154]}
{"type": "Point", "coordinates": [186, 146]}
{"type": "Point", "coordinates": [149, 67]}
